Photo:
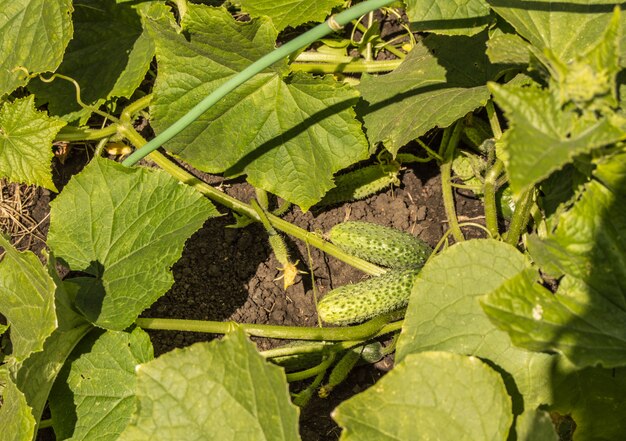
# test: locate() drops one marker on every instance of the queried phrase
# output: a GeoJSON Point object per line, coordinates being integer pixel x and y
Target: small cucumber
{"type": "Point", "coordinates": [381, 245]}
{"type": "Point", "coordinates": [361, 183]}
{"type": "Point", "coordinates": [358, 302]}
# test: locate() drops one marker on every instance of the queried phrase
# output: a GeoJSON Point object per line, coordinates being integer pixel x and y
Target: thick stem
{"type": "Point", "coordinates": [334, 23]}
{"type": "Point", "coordinates": [451, 138]}
{"type": "Point", "coordinates": [350, 67]}
{"type": "Point", "coordinates": [520, 217]}
{"type": "Point", "coordinates": [312, 372]}
{"type": "Point", "coordinates": [363, 331]}
{"type": "Point", "coordinates": [489, 189]}
{"type": "Point", "coordinates": [493, 120]}
{"type": "Point", "coordinates": [70, 134]}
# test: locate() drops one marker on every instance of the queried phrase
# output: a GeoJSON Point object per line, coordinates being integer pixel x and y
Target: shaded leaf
{"type": "Point", "coordinates": [435, 85]}
{"type": "Point", "coordinates": [220, 390]}
{"type": "Point", "coordinates": [432, 395]}
{"type": "Point", "coordinates": [543, 137]}
{"type": "Point", "coordinates": [457, 17]}
{"type": "Point", "coordinates": [444, 314]}
{"type": "Point", "coordinates": [586, 319]}
{"type": "Point", "coordinates": [26, 300]}
{"type": "Point", "coordinates": [566, 28]}
{"type": "Point", "coordinates": [290, 12]}
{"type": "Point", "coordinates": [101, 27]}
{"type": "Point", "coordinates": [26, 137]}
{"type": "Point", "coordinates": [595, 398]}
{"type": "Point", "coordinates": [104, 381]}
{"type": "Point", "coordinates": [34, 36]}
{"type": "Point", "coordinates": [125, 228]}
{"type": "Point", "coordinates": [298, 131]}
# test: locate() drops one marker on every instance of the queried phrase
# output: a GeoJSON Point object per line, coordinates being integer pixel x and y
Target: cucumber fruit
{"type": "Point", "coordinates": [381, 245]}
{"type": "Point", "coordinates": [358, 302]}
{"type": "Point", "coordinates": [361, 183]}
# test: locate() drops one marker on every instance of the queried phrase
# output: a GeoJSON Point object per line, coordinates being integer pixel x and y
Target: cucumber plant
{"type": "Point", "coordinates": [501, 335]}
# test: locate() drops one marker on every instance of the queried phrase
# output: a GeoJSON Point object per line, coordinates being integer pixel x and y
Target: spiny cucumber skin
{"type": "Point", "coordinates": [361, 183]}
{"type": "Point", "coordinates": [361, 301]}
{"type": "Point", "coordinates": [380, 245]}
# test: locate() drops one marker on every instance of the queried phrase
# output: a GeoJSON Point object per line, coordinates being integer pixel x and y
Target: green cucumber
{"type": "Point", "coordinates": [381, 245]}
{"type": "Point", "coordinates": [361, 183]}
{"type": "Point", "coordinates": [358, 302]}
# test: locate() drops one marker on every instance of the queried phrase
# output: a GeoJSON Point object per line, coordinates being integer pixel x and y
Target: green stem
{"type": "Point", "coordinates": [369, 329]}
{"type": "Point", "coordinates": [135, 107]}
{"type": "Point", "coordinates": [44, 424]}
{"type": "Point", "coordinates": [334, 23]}
{"type": "Point", "coordinates": [520, 217]}
{"type": "Point", "coordinates": [351, 67]}
{"type": "Point", "coordinates": [246, 210]}
{"type": "Point", "coordinates": [311, 372]}
{"type": "Point", "coordinates": [489, 189]}
{"type": "Point", "coordinates": [493, 120]}
{"type": "Point", "coordinates": [451, 138]}
{"type": "Point", "coordinates": [70, 133]}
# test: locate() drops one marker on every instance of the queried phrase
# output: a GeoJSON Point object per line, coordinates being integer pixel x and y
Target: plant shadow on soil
{"type": "Point", "coordinates": [230, 274]}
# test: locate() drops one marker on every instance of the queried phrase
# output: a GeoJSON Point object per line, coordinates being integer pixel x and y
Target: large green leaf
{"type": "Point", "coordinates": [220, 390]}
{"type": "Point", "coordinates": [432, 395]}
{"type": "Point", "coordinates": [16, 419]}
{"type": "Point", "coordinates": [543, 137]}
{"type": "Point", "coordinates": [26, 137]}
{"type": "Point", "coordinates": [108, 56]}
{"type": "Point", "coordinates": [26, 300]}
{"type": "Point", "coordinates": [126, 228]}
{"type": "Point", "coordinates": [288, 135]}
{"type": "Point", "coordinates": [290, 12]}
{"type": "Point", "coordinates": [34, 36]}
{"type": "Point", "coordinates": [104, 381]}
{"type": "Point", "coordinates": [436, 84]}
{"type": "Point", "coordinates": [456, 17]}
{"type": "Point", "coordinates": [566, 28]}
{"type": "Point", "coordinates": [595, 398]}
{"type": "Point", "coordinates": [586, 319]}
{"type": "Point", "coordinates": [444, 314]}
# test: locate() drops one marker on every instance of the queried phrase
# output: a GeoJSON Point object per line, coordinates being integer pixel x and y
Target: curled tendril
{"type": "Point", "coordinates": [78, 98]}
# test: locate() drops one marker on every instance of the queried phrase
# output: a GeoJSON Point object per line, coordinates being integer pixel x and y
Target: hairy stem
{"type": "Point", "coordinates": [311, 372]}
{"type": "Point", "coordinates": [359, 66]}
{"type": "Point", "coordinates": [520, 217]}
{"type": "Point", "coordinates": [367, 330]}
{"type": "Point", "coordinates": [489, 189]}
{"type": "Point", "coordinates": [451, 140]}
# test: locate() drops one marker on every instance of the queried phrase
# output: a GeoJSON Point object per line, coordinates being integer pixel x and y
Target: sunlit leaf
{"type": "Point", "coordinates": [26, 136]}
{"type": "Point", "coordinates": [220, 390]}
{"type": "Point", "coordinates": [431, 395]}
{"type": "Point", "coordinates": [125, 228]}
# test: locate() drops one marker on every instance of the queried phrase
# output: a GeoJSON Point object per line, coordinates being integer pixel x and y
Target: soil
{"type": "Point", "coordinates": [230, 273]}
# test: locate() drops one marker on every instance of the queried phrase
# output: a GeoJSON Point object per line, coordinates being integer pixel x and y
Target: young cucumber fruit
{"type": "Point", "coordinates": [361, 183]}
{"type": "Point", "coordinates": [358, 302]}
{"type": "Point", "coordinates": [381, 245]}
